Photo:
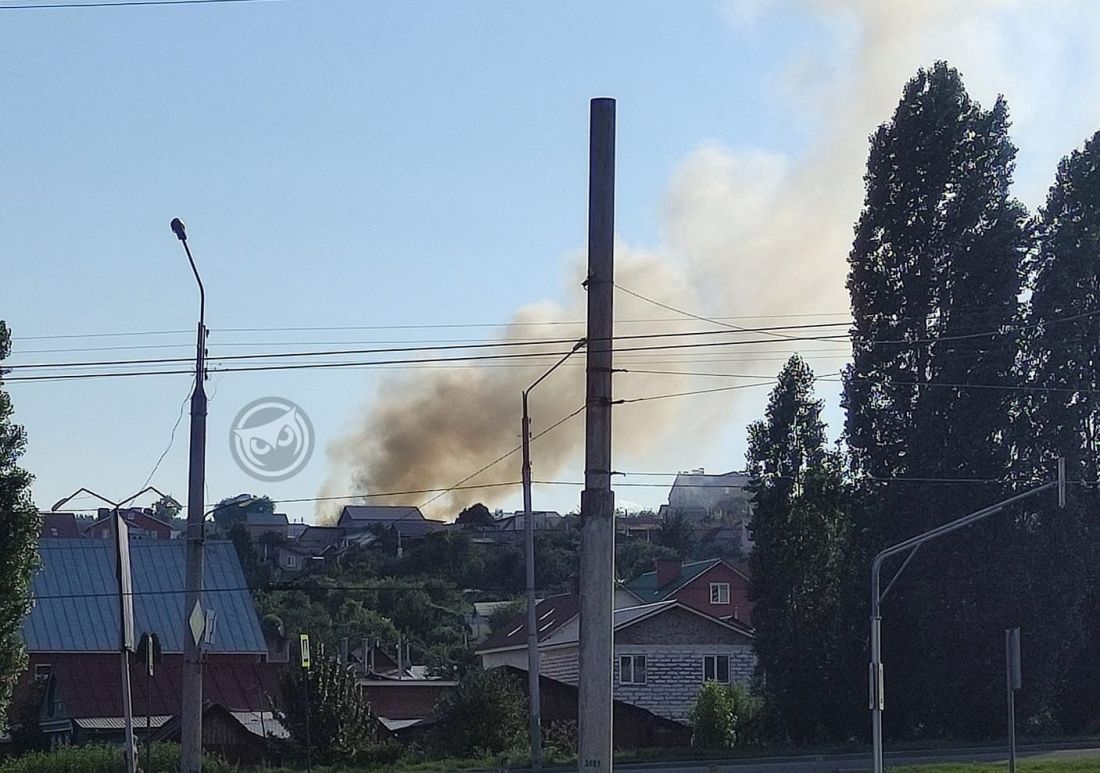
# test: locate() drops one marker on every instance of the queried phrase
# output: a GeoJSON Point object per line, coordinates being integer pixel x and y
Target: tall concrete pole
{"type": "Point", "coordinates": [191, 711]}
{"type": "Point", "coordinates": [597, 499]}
{"type": "Point", "coordinates": [533, 696]}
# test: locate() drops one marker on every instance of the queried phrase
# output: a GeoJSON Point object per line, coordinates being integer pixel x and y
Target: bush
{"type": "Point", "coordinates": [724, 716]}
{"type": "Point", "coordinates": [341, 726]}
{"type": "Point", "coordinates": [105, 759]}
{"type": "Point", "coordinates": [486, 714]}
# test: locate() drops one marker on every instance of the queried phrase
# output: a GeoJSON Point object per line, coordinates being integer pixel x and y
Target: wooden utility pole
{"type": "Point", "coordinates": [597, 499]}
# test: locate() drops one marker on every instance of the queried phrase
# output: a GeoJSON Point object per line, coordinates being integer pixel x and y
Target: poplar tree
{"type": "Point", "coordinates": [19, 526]}
{"type": "Point", "coordinates": [798, 528]}
{"type": "Point", "coordinates": [1061, 418]}
{"type": "Point", "coordinates": [935, 276]}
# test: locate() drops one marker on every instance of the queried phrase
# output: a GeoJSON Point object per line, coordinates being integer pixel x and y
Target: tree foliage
{"type": "Point", "coordinates": [1061, 419]}
{"type": "Point", "coordinates": [485, 714]}
{"type": "Point", "coordinates": [799, 531]}
{"type": "Point", "coordinates": [340, 723]}
{"type": "Point", "coordinates": [724, 716]}
{"type": "Point", "coordinates": [19, 527]}
{"type": "Point", "coordinates": [935, 279]}
{"type": "Point", "coordinates": [475, 515]}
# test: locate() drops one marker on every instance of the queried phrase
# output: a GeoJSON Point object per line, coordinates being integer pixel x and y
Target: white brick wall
{"type": "Point", "coordinates": [674, 673]}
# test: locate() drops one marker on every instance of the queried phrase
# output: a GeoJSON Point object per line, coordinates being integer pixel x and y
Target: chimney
{"type": "Point", "coordinates": [575, 584]}
{"type": "Point", "coordinates": [667, 571]}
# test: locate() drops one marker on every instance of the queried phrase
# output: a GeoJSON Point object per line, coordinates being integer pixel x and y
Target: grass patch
{"type": "Point", "coordinates": [1022, 766]}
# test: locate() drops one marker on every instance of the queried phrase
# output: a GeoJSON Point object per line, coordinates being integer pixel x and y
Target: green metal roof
{"type": "Point", "coordinates": [645, 585]}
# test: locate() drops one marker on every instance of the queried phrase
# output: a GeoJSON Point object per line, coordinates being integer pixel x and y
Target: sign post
{"type": "Point", "coordinates": [1014, 679]}
{"type": "Point", "coordinates": [305, 680]}
{"type": "Point", "coordinates": [149, 651]}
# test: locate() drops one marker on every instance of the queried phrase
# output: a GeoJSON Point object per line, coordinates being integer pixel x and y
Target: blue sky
{"type": "Point", "coordinates": [343, 163]}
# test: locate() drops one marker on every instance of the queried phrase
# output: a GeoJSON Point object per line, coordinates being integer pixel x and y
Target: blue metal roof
{"type": "Point", "coordinates": [76, 597]}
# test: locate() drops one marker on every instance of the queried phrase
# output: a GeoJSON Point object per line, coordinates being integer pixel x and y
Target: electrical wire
{"type": "Point", "coordinates": [117, 4]}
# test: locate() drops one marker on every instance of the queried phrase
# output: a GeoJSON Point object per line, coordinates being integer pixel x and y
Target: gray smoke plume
{"type": "Point", "coordinates": [746, 232]}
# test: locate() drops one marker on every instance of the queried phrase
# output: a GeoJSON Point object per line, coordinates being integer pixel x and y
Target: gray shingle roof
{"type": "Point", "coordinates": [76, 604]}
{"type": "Point", "coordinates": [366, 514]}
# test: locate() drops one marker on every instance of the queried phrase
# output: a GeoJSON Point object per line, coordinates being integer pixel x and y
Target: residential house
{"type": "Point", "coordinates": [260, 525]}
{"type": "Point", "coordinates": [143, 525]}
{"type": "Point", "coordinates": [240, 737]}
{"type": "Point", "coordinates": [59, 526]}
{"type": "Point", "coordinates": [713, 586]}
{"type": "Point", "coordinates": [402, 705]}
{"type": "Point", "coordinates": [366, 516]}
{"type": "Point", "coordinates": [664, 652]}
{"type": "Point", "coordinates": [541, 520]}
{"type": "Point", "coordinates": [642, 527]}
{"type": "Point", "coordinates": [632, 726]}
{"type": "Point", "coordinates": [700, 497]}
{"type": "Point", "coordinates": [71, 635]}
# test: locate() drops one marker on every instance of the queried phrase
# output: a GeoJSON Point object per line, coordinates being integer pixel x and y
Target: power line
{"type": "Point", "coordinates": [402, 349]}
{"type": "Point", "coordinates": [118, 4]}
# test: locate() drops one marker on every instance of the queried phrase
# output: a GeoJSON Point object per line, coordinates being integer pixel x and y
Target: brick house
{"type": "Point", "coordinates": [142, 525]}
{"type": "Point", "coordinates": [713, 586]}
{"type": "Point", "coordinates": [664, 652]}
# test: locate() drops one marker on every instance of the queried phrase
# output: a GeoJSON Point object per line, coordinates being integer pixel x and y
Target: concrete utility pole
{"type": "Point", "coordinates": [910, 546]}
{"type": "Point", "coordinates": [193, 615]}
{"type": "Point", "coordinates": [534, 701]}
{"type": "Point", "coordinates": [597, 499]}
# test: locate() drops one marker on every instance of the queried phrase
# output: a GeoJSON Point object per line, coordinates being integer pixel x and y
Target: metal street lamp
{"type": "Point", "coordinates": [533, 693]}
{"type": "Point", "coordinates": [191, 710]}
{"type": "Point", "coordinates": [911, 545]}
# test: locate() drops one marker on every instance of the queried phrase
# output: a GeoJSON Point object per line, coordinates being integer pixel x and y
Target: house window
{"type": "Point", "coordinates": [632, 669]}
{"type": "Point", "coordinates": [716, 668]}
{"type": "Point", "coordinates": [719, 593]}
{"type": "Point", "coordinates": [41, 671]}
{"type": "Point", "coordinates": [291, 562]}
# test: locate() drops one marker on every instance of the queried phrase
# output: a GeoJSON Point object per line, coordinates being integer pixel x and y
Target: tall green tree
{"type": "Point", "coordinates": [799, 528]}
{"type": "Point", "coordinates": [935, 277]}
{"type": "Point", "coordinates": [1061, 418]}
{"type": "Point", "coordinates": [19, 527]}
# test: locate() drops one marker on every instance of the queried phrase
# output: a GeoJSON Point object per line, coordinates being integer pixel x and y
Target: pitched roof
{"type": "Point", "coordinates": [645, 586]}
{"type": "Point", "coordinates": [90, 687]}
{"type": "Point", "coordinates": [366, 514]}
{"type": "Point", "coordinates": [320, 537]}
{"type": "Point", "coordinates": [266, 519]}
{"type": "Point", "coordinates": [621, 618]}
{"type": "Point", "coordinates": [75, 605]}
{"type": "Point", "coordinates": [550, 614]}
{"type": "Point", "coordinates": [59, 525]}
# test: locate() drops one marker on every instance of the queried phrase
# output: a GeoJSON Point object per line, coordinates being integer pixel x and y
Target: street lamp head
{"type": "Point", "coordinates": [179, 229]}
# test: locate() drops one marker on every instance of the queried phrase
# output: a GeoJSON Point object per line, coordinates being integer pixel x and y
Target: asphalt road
{"type": "Point", "coordinates": [856, 763]}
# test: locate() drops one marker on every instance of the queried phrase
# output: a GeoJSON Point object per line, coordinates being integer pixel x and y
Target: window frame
{"type": "Point", "coordinates": [719, 586]}
{"type": "Point", "coordinates": [713, 661]}
{"type": "Point", "coordinates": [633, 660]}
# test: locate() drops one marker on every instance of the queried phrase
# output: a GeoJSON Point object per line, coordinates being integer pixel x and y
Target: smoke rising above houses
{"type": "Point", "coordinates": [745, 231]}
